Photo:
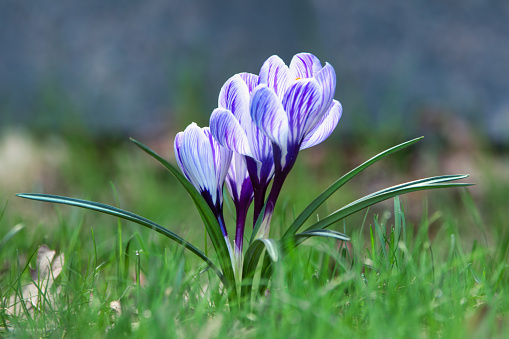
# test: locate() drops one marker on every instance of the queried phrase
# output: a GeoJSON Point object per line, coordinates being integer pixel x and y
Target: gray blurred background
{"type": "Point", "coordinates": [128, 67]}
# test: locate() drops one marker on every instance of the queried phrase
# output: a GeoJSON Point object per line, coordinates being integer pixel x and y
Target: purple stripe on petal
{"type": "Point", "coordinates": [260, 144]}
{"type": "Point", "coordinates": [221, 158]}
{"type": "Point", "coordinates": [268, 114]}
{"type": "Point", "coordinates": [234, 96]}
{"type": "Point", "coordinates": [304, 65]}
{"type": "Point", "coordinates": [251, 80]}
{"type": "Point", "coordinates": [203, 161]}
{"type": "Point", "coordinates": [276, 75]}
{"type": "Point", "coordinates": [301, 103]}
{"type": "Point", "coordinates": [325, 126]}
{"type": "Point", "coordinates": [238, 181]}
{"type": "Point", "coordinates": [326, 77]}
{"type": "Point", "coordinates": [228, 132]}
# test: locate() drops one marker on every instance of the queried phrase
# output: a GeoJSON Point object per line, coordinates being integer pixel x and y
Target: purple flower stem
{"type": "Point", "coordinates": [259, 201]}
{"type": "Point", "coordinates": [222, 224]}
{"type": "Point", "coordinates": [241, 213]}
{"type": "Point", "coordinates": [279, 178]}
{"type": "Point", "coordinates": [217, 210]}
{"type": "Point", "coordinates": [259, 183]}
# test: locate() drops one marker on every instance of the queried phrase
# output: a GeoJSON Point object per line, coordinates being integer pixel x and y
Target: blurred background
{"type": "Point", "coordinates": [77, 78]}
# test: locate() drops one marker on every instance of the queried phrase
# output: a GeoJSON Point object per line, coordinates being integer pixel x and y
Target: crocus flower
{"type": "Point", "coordinates": [205, 164]}
{"type": "Point", "coordinates": [241, 190]}
{"type": "Point", "coordinates": [233, 128]}
{"type": "Point", "coordinates": [294, 107]}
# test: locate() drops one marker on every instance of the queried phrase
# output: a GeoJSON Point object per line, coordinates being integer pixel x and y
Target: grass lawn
{"type": "Point", "coordinates": [422, 265]}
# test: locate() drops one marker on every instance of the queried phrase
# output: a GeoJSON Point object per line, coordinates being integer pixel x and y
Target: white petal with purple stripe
{"type": "Point", "coordinates": [325, 126]}
{"type": "Point", "coordinates": [302, 104]}
{"type": "Point", "coordinates": [228, 132]}
{"type": "Point", "coordinates": [276, 75]}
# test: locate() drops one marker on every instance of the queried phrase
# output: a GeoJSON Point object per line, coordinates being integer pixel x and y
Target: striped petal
{"type": "Point", "coordinates": [251, 80]}
{"type": "Point", "coordinates": [228, 132]}
{"type": "Point", "coordinates": [276, 75]}
{"type": "Point", "coordinates": [187, 147]}
{"type": "Point", "coordinates": [304, 65]}
{"type": "Point", "coordinates": [325, 126]}
{"type": "Point", "coordinates": [269, 116]}
{"type": "Point", "coordinates": [302, 102]}
{"type": "Point", "coordinates": [238, 181]}
{"type": "Point", "coordinates": [221, 157]}
{"type": "Point", "coordinates": [203, 161]}
{"type": "Point", "coordinates": [326, 77]}
{"type": "Point", "coordinates": [234, 96]}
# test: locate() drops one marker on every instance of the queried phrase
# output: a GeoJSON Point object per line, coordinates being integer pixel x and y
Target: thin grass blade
{"type": "Point", "coordinates": [10, 234]}
{"type": "Point", "coordinates": [117, 212]}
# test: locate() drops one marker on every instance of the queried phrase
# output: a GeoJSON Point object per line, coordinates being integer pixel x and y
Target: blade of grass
{"type": "Point", "coordinates": [383, 241]}
{"type": "Point", "coordinates": [117, 212]}
{"type": "Point", "coordinates": [10, 234]}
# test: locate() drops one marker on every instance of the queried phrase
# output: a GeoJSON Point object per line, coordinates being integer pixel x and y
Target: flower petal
{"type": "Point", "coordinates": [276, 75]}
{"type": "Point", "coordinates": [268, 115]}
{"type": "Point", "coordinates": [234, 96]}
{"type": "Point", "coordinates": [251, 80]}
{"type": "Point", "coordinates": [304, 65]}
{"type": "Point", "coordinates": [221, 157]}
{"type": "Point", "coordinates": [302, 104]}
{"type": "Point", "coordinates": [326, 77]}
{"type": "Point", "coordinates": [324, 127]}
{"type": "Point", "coordinates": [228, 132]}
{"type": "Point", "coordinates": [238, 181]}
{"type": "Point", "coordinates": [195, 158]}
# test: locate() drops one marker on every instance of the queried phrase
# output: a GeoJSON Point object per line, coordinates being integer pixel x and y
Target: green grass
{"type": "Point", "coordinates": [437, 272]}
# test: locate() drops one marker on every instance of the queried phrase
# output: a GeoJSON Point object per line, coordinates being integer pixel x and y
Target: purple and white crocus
{"type": "Point", "coordinates": [241, 190]}
{"type": "Point", "coordinates": [294, 107]}
{"type": "Point", "coordinates": [232, 126]}
{"type": "Point", "coordinates": [205, 164]}
{"type": "Point", "coordinates": [261, 123]}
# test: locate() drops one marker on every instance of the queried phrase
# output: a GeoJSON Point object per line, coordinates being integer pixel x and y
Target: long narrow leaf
{"type": "Point", "coordinates": [323, 233]}
{"type": "Point", "coordinates": [309, 210]}
{"type": "Point", "coordinates": [427, 181]}
{"type": "Point", "coordinates": [210, 222]}
{"type": "Point", "coordinates": [95, 206]}
{"type": "Point", "coordinates": [252, 257]}
{"type": "Point", "coordinates": [371, 199]}
{"type": "Point", "coordinates": [375, 198]}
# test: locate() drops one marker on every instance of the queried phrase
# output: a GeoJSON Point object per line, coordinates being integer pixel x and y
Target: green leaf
{"type": "Point", "coordinates": [95, 206]}
{"type": "Point", "coordinates": [209, 220]}
{"type": "Point", "coordinates": [371, 199]}
{"type": "Point", "coordinates": [323, 233]}
{"type": "Point", "coordinates": [252, 257]}
{"type": "Point", "coordinates": [309, 210]}
{"type": "Point", "coordinates": [432, 180]}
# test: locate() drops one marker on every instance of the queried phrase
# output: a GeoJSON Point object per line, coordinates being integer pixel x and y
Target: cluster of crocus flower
{"type": "Point", "coordinates": [261, 123]}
